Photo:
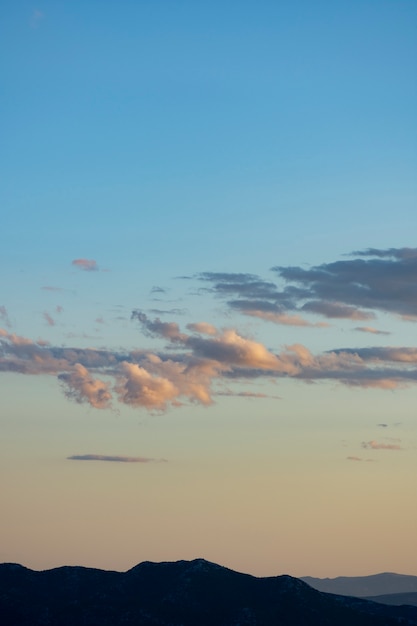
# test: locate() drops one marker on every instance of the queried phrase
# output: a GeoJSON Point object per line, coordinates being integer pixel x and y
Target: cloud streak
{"type": "Point", "coordinates": [375, 445]}
{"type": "Point", "coordinates": [113, 459]}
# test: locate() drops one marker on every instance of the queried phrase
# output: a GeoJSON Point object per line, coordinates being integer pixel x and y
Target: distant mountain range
{"type": "Point", "coordinates": [182, 593]}
{"type": "Point", "coordinates": [388, 588]}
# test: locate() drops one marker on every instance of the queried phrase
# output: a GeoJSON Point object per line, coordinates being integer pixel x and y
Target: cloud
{"type": "Point", "coordinates": [375, 445]}
{"type": "Point", "coordinates": [280, 318]}
{"type": "Point", "coordinates": [354, 289]}
{"type": "Point", "coordinates": [49, 288]}
{"type": "Point", "coordinates": [196, 365]}
{"type": "Point", "coordinates": [246, 394]}
{"type": "Point", "coordinates": [48, 319]}
{"type": "Point", "coordinates": [168, 330]}
{"type": "Point", "coordinates": [81, 386]}
{"type": "Point", "coordinates": [337, 310]}
{"type": "Point", "coordinates": [113, 459]}
{"type": "Point", "coordinates": [380, 280]}
{"type": "Point", "coordinates": [354, 458]}
{"type": "Point", "coordinates": [370, 329]}
{"type": "Point", "coordinates": [156, 289]}
{"type": "Point", "coordinates": [4, 316]}
{"type": "Point", "coordinates": [203, 327]}
{"type": "Point", "coordinates": [87, 265]}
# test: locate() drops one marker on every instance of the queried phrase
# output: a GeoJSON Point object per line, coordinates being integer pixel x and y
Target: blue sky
{"type": "Point", "coordinates": [159, 160]}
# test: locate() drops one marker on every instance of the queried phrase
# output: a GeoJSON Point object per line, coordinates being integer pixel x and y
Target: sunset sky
{"type": "Point", "coordinates": [208, 304]}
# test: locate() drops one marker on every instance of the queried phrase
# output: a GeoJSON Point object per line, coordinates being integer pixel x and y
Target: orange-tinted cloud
{"type": "Point", "coordinates": [203, 327]}
{"type": "Point", "coordinates": [83, 387]}
{"type": "Point", "coordinates": [370, 329]}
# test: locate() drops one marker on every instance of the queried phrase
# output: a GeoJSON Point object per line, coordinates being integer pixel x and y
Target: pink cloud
{"type": "Point", "coordinates": [87, 265]}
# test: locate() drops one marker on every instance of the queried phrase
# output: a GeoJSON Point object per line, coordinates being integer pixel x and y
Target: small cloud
{"type": "Point", "coordinates": [100, 320]}
{"type": "Point", "coordinates": [370, 329]}
{"type": "Point", "coordinates": [59, 308]}
{"type": "Point", "coordinates": [48, 319]}
{"type": "Point", "coordinates": [87, 265]}
{"type": "Point", "coordinates": [50, 288]}
{"type": "Point", "coordinates": [383, 425]}
{"type": "Point", "coordinates": [4, 317]}
{"type": "Point", "coordinates": [156, 289]}
{"type": "Point", "coordinates": [113, 459]}
{"type": "Point", "coordinates": [246, 394]}
{"type": "Point", "coordinates": [375, 445]}
{"type": "Point", "coordinates": [168, 311]}
{"type": "Point", "coordinates": [354, 458]}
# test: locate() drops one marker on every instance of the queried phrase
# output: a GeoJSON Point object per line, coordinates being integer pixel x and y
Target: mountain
{"type": "Point", "coordinates": [396, 599]}
{"type": "Point", "coordinates": [182, 593]}
{"type": "Point", "coordinates": [364, 586]}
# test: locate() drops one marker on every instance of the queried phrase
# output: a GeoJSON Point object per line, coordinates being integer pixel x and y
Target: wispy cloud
{"type": "Point", "coordinates": [371, 330]}
{"type": "Point", "coordinates": [49, 288]}
{"type": "Point", "coordinates": [375, 445]}
{"type": "Point", "coordinates": [113, 459]}
{"type": "Point", "coordinates": [4, 316]}
{"type": "Point", "coordinates": [87, 265]}
{"type": "Point", "coordinates": [48, 319]}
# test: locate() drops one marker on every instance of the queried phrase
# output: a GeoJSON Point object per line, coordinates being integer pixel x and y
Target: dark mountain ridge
{"type": "Point", "coordinates": [181, 593]}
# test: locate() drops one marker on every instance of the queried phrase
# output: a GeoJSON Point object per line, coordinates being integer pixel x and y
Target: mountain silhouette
{"type": "Point", "coordinates": [181, 593]}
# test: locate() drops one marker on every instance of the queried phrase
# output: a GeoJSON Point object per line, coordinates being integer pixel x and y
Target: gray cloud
{"type": "Point", "coordinates": [4, 316]}
{"type": "Point", "coordinates": [113, 459]}
{"type": "Point", "coordinates": [354, 289]}
{"type": "Point", "coordinates": [380, 280]}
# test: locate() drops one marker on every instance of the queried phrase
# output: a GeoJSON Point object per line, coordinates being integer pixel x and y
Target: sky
{"type": "Point", "coordinates": [208, 302]}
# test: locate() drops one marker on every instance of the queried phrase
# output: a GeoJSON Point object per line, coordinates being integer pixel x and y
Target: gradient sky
{"type": "Point", "coordinates": [208, 300]}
